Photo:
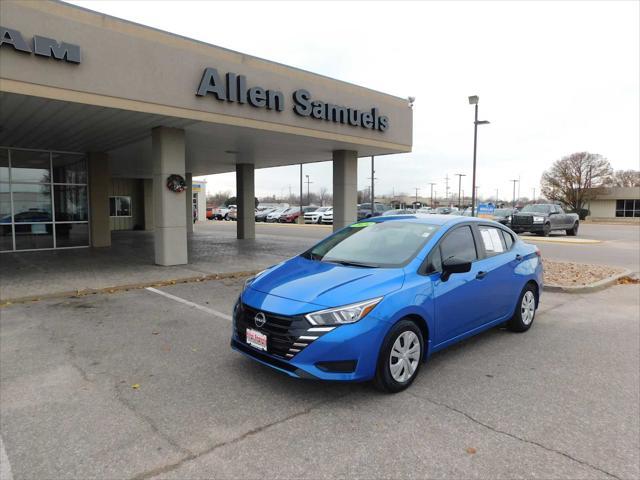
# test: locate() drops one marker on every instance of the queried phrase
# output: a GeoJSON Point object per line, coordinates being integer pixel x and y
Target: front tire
{"type": "Point", "coordinates": [400, 357]}
{"type": "Point", "coordinates": [546, 230]}
{"type": "Point", "coordinates": [572, 232]}
{"type": "Point", "coordinates": [525, 311]}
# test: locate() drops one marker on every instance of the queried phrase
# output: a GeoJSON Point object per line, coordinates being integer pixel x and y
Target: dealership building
{"type": "Point", "coordinates": [104, 122]}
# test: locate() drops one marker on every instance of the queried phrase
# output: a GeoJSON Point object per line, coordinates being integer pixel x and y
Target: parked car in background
{"type": "Point", "coordinates": [315, 216]}
{"type": "Point", "coordinates": [424, 210]}
{"type": "Point", "coordinates": [210, 213]}
{"type": "Point", "coordinates": [503, 215]}
{"type": "Point", "coordinates": [327, 216]}
{"type": "Point", "coordinates": [261, 215]}
{"type": "Point", "coordinates": [446, 211]}
{"type": "Point", "coordinates": [364, 210]}
{"type": "Point", "coordinates": [275, 215]}
{"type": "Point", "coordinates": [398, 211]}
{"type": "Point", "coordinates": [374, 300]}
{"type": "Point", "coordinates": [544, 218]}
{"type": "Point", "coordinates": [290, 215]}
{"type": "Point", "coordinates": [220, 213]}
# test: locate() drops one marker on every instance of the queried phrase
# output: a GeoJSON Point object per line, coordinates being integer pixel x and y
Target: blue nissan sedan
{"type": "Point", "coordinates": [375, 299]}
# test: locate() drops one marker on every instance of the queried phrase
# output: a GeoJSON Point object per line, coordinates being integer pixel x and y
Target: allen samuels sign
{"type": "Point", "coordinates": [234, 89]}
{"type": "Point", "coordinates": [43, 46]}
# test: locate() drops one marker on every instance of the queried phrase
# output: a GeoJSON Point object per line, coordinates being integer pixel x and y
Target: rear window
{"type": "Point", "coordinates": [492, 240]}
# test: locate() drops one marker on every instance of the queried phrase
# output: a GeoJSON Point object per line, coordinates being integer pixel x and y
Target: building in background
{"type": "Point", "coordinates": [105, 122]}
{"type": "Point", "coordinates": [621, 204]}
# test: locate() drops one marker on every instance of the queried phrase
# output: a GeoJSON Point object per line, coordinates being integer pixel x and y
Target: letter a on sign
{"type": "Point", "coordinates": [211, 83]}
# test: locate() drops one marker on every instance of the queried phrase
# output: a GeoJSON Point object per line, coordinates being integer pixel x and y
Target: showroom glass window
{"type": "Point", "coordinates": [43, 200]}
{"type": "Point", "coordinates": [627, 208]}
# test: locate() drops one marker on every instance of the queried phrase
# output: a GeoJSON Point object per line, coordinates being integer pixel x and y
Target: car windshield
{"type": "Point", "coordinates": [388, 244]}
{"type": "Point", "coordinates": [537, 208]}
{"type": "Point", "coordinates": [502, 212]}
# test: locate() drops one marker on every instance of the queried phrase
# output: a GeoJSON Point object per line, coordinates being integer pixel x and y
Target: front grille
{"type": "Point", "coordinates": [522, 220]}
{"type": "Point", "coordinates": [286, 335]}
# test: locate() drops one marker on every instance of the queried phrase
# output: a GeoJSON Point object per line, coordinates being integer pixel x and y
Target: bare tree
{"type": "Point", "coordinates": [323, 195]}
{"type": "Point", "coordinates": [575, 179]}
{"type": "Point", "coordinates": [626, 178]}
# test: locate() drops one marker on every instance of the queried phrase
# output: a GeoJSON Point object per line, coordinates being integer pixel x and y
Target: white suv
{"type": "Point", "coordinates": [316, 215]}
{"type": "Point", "coordinates": [327, 216]}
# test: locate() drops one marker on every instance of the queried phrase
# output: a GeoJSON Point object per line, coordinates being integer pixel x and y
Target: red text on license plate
{"type": "Point", "coordinates": [257, 339]}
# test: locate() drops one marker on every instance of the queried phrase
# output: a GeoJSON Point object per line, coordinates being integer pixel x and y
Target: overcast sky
{"type": "Point", "coordinates": [553, 78]}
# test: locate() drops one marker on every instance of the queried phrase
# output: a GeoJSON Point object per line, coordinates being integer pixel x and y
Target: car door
{"type": "Point", "coordinates": [460, 302]}
{"type": "Point", "coordinates": [497, 265]}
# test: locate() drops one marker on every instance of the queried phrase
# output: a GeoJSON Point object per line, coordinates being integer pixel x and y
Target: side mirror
{"type": "Point", "coordinates": [453, 265]}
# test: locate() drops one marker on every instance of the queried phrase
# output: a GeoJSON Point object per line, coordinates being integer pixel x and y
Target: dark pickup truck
{"type": "Point", "coordinates": [543, 219]}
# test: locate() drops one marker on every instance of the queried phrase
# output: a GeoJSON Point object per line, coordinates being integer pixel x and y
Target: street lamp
{"type": "Point", "coordinates": [515, 180]}
{"type": "Point", "coordinates": [473, 100]}
{"type": "Point", "coordinates": [460, 175]}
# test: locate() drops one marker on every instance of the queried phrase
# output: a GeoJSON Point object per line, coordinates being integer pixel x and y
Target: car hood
{"type": "Point", "coordinates": [327, 284]}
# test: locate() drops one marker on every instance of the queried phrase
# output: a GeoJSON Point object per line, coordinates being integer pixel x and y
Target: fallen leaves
{"type": "Point", "coordinates": [135, 386]}
{"type": "Point", "coordinates": [471, 451]}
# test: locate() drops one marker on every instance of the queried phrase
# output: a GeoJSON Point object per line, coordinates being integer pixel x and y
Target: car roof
{"type": "Point", "coordinates": [430, 219]}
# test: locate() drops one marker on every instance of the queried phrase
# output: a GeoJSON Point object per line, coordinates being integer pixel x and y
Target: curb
{"type": "Point", "coordinates": [5, 302]}
{"type": "Point", "coordinates": [592, 287]}
{"type": "Point", "coordinates": [559, 240]}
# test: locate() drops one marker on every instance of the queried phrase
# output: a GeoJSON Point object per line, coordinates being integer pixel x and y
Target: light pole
{"type": "Point", "coordinates": [473, 100]}
{"type": "Point", "coordinates": [373, 179]}
{"type": "Point", "coordinates": [308, 193]}
{"type": "Point", "coordinates": [432, 184]}
{"type": "Point", "coordinates": [417, 189]}
{"type": "Point", "coordinates": [460, 175]}
{"type": "Point", "coordinates": [301, 214]}
{"type": "Point", "coordinates": [514, 191]}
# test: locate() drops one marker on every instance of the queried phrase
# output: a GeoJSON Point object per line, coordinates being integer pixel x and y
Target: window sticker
{"type": "Point", "coordinates": [362, 224]}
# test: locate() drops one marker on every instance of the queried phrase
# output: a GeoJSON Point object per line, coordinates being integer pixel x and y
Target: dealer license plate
{"type": "Point", "coordinates": [256, 339]}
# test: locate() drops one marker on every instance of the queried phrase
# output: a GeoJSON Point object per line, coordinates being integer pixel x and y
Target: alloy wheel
{"type": "Point", "coordinates": [405, 356]}
{"type": "Point", "coordinates": [528, 307]}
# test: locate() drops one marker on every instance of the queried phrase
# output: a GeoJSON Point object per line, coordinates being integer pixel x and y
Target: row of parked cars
{"type": "Point", "coordinates": [311, 214]}
{"type": "Point", "coordinates": [541, 219]}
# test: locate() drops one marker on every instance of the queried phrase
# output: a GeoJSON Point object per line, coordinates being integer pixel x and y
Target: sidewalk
{"type": "Point", "coordinates": [130, 260]}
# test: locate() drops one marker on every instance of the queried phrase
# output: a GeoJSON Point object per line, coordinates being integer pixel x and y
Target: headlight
{"type": "Point", "coordinates": [508, 218]}
{"type": "Point", "coordinates": [538, 219]}
{"type": "Point", "coordinates": [250, 280]}
{"type": "Point", "coordinates": [343, 315]}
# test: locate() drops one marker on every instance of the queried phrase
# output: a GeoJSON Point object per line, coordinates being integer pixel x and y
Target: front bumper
{"type": "Point", "coordinates": [534, 228]}
{"type": "Point", "coordinates": [355, 346]}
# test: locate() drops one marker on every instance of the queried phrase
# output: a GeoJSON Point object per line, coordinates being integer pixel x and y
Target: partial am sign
{"type": "Point", "coordinates": [42, 46]}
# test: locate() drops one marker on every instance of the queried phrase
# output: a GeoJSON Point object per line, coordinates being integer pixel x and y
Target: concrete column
{"type": "Point", "coordinates": [189, 179]}
{"type": "Point", "coordinates": [168, 152]}
{"type": "Point", "coordinates": [245, 194]}
{"type": "Point", "coordinates": [148, 204]}
{"type": "Point", "coordinates": [345, 188]}
{"type": "Point", "coordinates": [99, 183]}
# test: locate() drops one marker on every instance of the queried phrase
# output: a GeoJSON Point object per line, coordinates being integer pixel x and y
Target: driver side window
{"type": "Point", "coordinates": [460, 244]}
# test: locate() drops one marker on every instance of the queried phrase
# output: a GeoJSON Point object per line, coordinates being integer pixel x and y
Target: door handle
{"type": "Point", "coordinates": [518, 258]}
{"type": "Point", "coordinates": [481, 275]}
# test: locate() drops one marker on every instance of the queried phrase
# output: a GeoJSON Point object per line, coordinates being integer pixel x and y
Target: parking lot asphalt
{"type": "Point", "coordinates": [144, 385]}
{"type": "Point", "coordinates": [619, 247]}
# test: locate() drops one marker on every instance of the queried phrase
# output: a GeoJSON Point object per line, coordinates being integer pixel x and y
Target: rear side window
{"type": "Point", "coordinates": [492, 240]}
{"type": "Point", "coordinates": [459, 243]}
{"type": "Point", "coordinates": [508, 239]}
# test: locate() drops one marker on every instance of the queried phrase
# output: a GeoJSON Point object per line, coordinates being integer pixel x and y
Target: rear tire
{"type": "Point", "coordinates": [572, 232]}
{"type": "Point", "coordinates": [525, 311]}
{"type": "Point", "coordinates": [400, 357]}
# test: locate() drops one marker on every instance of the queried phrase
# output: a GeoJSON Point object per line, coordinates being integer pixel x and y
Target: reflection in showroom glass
{"type": "Point", "coordinates": [31, 202]}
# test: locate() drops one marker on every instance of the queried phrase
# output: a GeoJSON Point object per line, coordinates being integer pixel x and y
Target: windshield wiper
{"type": "Point", "coordinates": [351, 264]}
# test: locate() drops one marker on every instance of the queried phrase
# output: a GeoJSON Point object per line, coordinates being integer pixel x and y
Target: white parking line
{"type": "Point", "coordinates": [5, 466]}
{"type": "Point", "coordinates": [210, 311]}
